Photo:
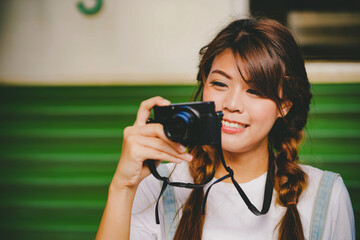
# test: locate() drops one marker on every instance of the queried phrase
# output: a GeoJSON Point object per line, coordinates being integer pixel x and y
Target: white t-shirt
{"type": "Point", "coordinates": [228, 217]}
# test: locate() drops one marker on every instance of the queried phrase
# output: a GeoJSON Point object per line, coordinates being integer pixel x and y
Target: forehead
{"type": "Point", "coordinates": [228, 63]}
{"type": "Point", "coordinates": [225, 59]}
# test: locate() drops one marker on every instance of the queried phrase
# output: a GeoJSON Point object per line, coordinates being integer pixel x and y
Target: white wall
{"type": "Point", "coordinates": [128, 41]}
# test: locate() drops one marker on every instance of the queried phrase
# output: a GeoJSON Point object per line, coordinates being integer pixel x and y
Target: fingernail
{"type": "Point", "coordinates": [188, 156]}
{"type": "Point", "coordinates": [182, 148]}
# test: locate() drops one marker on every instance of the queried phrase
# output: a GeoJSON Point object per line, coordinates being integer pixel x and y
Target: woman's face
{"type": "Point", "coordinates": [248, 118]}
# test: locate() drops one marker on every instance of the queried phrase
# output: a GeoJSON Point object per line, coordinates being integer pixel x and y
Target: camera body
{"type": "Point", "coordinates": [194, 123]}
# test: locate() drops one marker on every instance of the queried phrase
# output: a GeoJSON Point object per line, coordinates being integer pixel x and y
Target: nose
{"type": "Point", "coordinates": [233, 101]}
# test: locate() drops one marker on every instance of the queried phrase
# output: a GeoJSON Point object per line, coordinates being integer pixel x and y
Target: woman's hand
{"type": "Point", "coordinates": [145, 141]}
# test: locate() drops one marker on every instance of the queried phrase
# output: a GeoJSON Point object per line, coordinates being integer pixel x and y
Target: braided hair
{"type": "Point", "coordinates": [275, 67]}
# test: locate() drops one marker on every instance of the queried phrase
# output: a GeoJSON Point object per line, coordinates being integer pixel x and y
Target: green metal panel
{"type": "Point", "coordinates": [59, 147]}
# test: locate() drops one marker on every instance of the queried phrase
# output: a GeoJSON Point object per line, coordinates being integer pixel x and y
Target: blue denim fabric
{"type": "Point", "coordinates": [170, 216]}
{"type": "Point", "coordinates": [321, 205]}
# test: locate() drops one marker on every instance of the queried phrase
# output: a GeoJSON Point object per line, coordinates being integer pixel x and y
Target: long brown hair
{"type": "Point", "coordinates": [275, 67]}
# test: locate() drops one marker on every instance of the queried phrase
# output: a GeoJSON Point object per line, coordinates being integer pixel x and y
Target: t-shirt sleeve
{"type": "Point", "coordinates": [340, 222]}
{"type": "Point", "coordinates": [143, 224]}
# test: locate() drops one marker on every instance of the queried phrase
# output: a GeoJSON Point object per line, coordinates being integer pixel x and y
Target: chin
{"type": "Point", "coordinates": [233, 146]}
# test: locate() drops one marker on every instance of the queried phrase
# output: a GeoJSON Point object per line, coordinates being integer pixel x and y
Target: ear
{"type": "Point", "coordinates": [285, 108]}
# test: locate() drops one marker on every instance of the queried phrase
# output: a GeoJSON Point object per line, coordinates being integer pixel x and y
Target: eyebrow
{"type": "Point", "coordinates": [222, 73]}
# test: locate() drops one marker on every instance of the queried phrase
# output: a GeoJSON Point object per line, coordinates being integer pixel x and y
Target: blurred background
{"type": "Point", "coordinates": [73, 73]}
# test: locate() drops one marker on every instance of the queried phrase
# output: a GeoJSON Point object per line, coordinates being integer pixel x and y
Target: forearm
{"type": "Point", "coordinates": [140, 142]}
{"type": "Point", "coordinates": [115, 222]}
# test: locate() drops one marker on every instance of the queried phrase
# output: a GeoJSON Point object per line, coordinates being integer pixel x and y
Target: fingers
{"type": "Point", "coordinates": [153, 136]}
{"type": "Point", "coordinates": [156, 130]}
{"type": "Point", "coordinates": [175, 150]}
{"type": "Point", "coordinates": [142, 148]}
{"type": "Point", "coordinates": [145, 109]}
{"type": "Point", "coordinates": [163, 156]}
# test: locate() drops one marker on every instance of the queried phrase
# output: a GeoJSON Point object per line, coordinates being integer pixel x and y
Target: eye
{"type": "Point", "coordinates": [218, 84]}
{"type": "Point", "coordinates": [254, 92]}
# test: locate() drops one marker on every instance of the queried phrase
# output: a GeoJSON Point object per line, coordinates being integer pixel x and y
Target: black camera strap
{"type": "Point", "coordinates": [267, 193]}
{"type": "Point", "coordinates": [166, 182]}
{"type": "Point", "coordinates": [269, 185]}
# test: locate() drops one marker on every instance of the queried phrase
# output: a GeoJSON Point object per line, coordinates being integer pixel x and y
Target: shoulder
{"type": "Point", "coordinates": [315, 176]}
{"type": "Point", "coordinates": [339, 214]}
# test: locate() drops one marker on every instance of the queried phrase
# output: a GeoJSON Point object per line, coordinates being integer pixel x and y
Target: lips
{"type": "Point", "coordinates": [232, 126]}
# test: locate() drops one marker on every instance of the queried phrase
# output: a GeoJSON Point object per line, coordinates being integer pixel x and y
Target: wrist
{"type": "Point", "coordinates": [117, 186]}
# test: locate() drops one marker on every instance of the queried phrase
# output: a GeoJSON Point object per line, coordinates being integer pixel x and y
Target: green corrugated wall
{"type": "Point", "coordinates": [60, 146]}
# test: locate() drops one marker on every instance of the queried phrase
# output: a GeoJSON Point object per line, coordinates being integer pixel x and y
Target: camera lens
{"type": "Point", "coordinates": [180, 125]}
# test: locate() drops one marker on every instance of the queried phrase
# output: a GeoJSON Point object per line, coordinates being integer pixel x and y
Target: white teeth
{"type": "Point", "coordinates": [233, 125]}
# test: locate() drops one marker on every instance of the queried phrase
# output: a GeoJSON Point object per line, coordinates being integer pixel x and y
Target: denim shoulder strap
{"type": "Point", "coordinates": [321, 205]}
{"type": "Point", "coordinates": [170, 216]}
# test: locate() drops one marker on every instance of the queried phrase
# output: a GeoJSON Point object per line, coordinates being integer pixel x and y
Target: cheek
{"type": "Point", "coordinates": [211, 95]}
{"type": "Point", "coordinates": [264, 112]}
{"type": "Point", "coordinates": [206, 93]}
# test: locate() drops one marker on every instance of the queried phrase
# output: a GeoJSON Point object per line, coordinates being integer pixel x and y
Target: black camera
{"type": "Point", "coordinates": [195, 123]}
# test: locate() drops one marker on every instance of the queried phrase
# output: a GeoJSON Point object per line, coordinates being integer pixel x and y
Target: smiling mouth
{"type": "Point", "coordinates": [234, 124]}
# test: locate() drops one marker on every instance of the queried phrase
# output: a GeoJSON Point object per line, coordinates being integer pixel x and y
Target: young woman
{"type": "Point", "coordinates": [254, 72]}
